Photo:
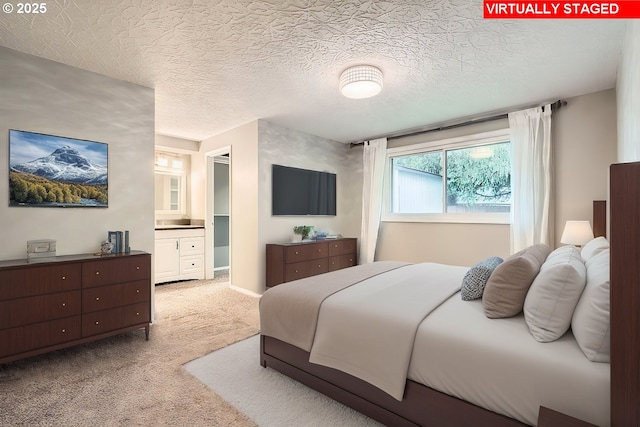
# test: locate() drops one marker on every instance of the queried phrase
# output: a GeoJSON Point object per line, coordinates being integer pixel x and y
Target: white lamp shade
{"type": "Point", "coordinates": [576, 233]}
{"type": "Point", "coordinates": [361, 81]}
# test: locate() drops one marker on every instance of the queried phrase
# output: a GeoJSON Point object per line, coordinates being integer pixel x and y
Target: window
{"type": "Point", "coordinates": [459, 180]}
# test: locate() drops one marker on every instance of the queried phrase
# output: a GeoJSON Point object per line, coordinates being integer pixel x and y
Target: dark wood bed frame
{"type": "Point", "coordinates": [423, 406]}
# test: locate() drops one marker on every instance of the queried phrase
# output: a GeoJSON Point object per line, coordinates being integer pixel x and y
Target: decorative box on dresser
{"type": "Point", "coordinates": [293, 261]}
{"type": "Point", "coordinates": [72, 299]}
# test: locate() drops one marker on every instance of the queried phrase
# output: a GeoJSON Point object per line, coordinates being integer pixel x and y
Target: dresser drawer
{"type": "Point", "coordinates": [108, 271]}
{"type": "Point", "coordinates": [26, 311]}
{"type": "Point", "coordinates": [24, 282]}
{"type": "Point", "coordinates": [305, 252]}
{"type": "Point", "coordinates": [300, 270]}
{"type": "Point", "coordinates": [106, 297]}
{"type": "Point", "coordinates": [342, 247]}
{"type": "Point", "coordinates": [39, 335]}
{"type": "Point", "coordinates": [341, 261]}
{"type": "Point", "coordinates": [191, 246]}
{"type": "Point", "coordinates": [108, 320]}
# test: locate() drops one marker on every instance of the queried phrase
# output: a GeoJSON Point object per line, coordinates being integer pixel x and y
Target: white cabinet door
{"type": "Point", "coordinates": [167, 260]}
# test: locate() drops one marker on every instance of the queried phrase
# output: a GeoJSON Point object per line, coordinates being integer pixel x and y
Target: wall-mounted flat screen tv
{"type": "Point", "coordinates": [302, 192]}
{"type": "Point", "coordinates": [54, 171]}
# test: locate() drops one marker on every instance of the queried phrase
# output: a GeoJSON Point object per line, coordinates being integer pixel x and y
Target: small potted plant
{"type": "Point", "coordinates": [302, 231]}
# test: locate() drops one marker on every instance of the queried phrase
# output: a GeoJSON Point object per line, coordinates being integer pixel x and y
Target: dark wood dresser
{"type": "Point", "coordinates": [71, 299]}
{"type": "Point", "coordinates": [293, 261]}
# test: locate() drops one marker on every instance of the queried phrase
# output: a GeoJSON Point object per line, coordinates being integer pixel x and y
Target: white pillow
{"type": "Point", "coordinates": [554, 294]}
{"type": "Point", "coordinates": [591, 321]}
{"type": "Point", "coordinates": [594, 247]}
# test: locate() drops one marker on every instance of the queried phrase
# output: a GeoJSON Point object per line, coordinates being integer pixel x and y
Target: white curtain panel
{"type": "Point", "coordinates": [374, 157]}
{"type": "Point", "coordinates": [531, 178]}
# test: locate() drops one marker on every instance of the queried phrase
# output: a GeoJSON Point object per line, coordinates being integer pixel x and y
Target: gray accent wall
{"type": "Point", "coordinates": [43, 96]}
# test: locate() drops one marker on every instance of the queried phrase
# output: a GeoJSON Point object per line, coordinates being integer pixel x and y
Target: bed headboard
{"type": "Point", "coordinates": [624, 241]}
{"type": "Point", "coordinates": [599, 218]}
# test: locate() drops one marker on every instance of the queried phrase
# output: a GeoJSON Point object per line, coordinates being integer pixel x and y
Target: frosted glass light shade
{"type": "Point", "coordinates": [576, 233]}
{"type": "Point", "coordinates": [361, 81]}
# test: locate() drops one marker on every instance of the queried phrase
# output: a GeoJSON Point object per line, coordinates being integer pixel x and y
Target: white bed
{"type": "Point", "coordinates": [453, 347]}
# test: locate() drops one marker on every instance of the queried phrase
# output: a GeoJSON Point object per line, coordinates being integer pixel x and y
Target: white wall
{"type": "Point", "coordinates": [584, 135]}
{"type": "Point", "coordinates": [245, 250]}
{"type": "Point", "coordinates": [628, 94]}
{"type": "Point", "coordinates": [43, 96]}
{"type": "Point", "coordinates": [584, 138]}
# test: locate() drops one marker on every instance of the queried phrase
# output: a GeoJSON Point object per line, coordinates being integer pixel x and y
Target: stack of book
{"type": "Point", "coordinates": [120, 242]}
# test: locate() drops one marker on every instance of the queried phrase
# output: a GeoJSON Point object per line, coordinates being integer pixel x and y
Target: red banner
{"type": "Point", "coordinates": [627, 9]}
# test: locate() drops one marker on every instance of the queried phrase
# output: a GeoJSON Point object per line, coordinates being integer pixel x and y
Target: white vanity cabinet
{"type": "Point", "coordinates": [179, 254]}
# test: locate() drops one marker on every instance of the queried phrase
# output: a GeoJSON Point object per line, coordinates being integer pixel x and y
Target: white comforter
{"type": "Point", "coordinates": [368, 331]}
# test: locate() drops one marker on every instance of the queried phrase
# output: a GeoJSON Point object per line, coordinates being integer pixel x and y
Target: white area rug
{"type": "Point", "coordinates": [266, 396]}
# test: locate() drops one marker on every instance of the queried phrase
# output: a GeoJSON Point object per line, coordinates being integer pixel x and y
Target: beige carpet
{"type": "Point", "coordinates": [127, 381]}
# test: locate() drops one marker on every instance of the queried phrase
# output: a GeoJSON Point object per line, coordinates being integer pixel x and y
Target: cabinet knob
{"type": "Point", "coordinates": [97, 323]}
{"type": "Point", "coordinates": [138, 267]}
{"type": "Point", "coordinates": [97, 298]}
{"type": "Point", "coordinates": [64, 304]}
{"type": "Point", "coordinates": [296, 271]}
{"type": "Point", "coordinates": [335, 246]}
{"type": "Point", "coordinates": [296, 252]}
{"type": "Point", "coordinates": [137, 291]}
{"type": "Point", "coordinates": [64, 331]}
{"type": "Point", "coordinates": [319, 265]}
{"type": "Point", "coordinates": [97, 273]}
{"type": "Point", "coordinates": [137, 314]}
{"type": "Point", "coordinates": [64, 277]}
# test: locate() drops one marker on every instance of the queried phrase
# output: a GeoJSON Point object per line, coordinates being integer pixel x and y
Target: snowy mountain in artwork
{"type": "Point", "coordinates": [65, 164]}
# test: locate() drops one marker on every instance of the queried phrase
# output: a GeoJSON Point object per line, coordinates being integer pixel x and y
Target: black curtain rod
{"type": "Point", "coordinates": [554, 106]}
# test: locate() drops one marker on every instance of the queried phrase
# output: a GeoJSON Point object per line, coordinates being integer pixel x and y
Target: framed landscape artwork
{"type": "Point", "coordinates": [54, 171]}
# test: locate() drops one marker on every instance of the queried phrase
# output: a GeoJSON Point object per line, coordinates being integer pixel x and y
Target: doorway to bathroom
{"type": "Point", "coordinates": [219, 214]}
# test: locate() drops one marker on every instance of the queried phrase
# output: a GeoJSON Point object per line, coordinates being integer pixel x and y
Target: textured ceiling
{"type": "Point", "coordinates": [218, 64]}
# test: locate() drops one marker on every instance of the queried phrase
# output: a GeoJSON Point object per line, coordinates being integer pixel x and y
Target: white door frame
{"type": "Point", "coordinates": [208, 234]}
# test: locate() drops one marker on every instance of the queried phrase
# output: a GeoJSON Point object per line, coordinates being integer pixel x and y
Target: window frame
{"type": "Point", "coordinates": [467, 141]}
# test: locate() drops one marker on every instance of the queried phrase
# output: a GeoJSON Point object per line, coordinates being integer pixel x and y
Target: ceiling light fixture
{"type": "Point", "coordinates": [361, 81]}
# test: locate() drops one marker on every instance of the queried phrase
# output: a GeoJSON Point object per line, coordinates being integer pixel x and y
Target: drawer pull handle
{"type": "Point", "coordinates": [97, 323]}
{"type": "Point", "coordinates": [97, 298]}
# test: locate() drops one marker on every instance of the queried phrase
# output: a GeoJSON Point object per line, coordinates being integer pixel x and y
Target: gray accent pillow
{"type": "Point", "coordinates": [476, 278]}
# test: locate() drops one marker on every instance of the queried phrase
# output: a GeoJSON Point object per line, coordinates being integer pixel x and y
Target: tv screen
{"type": "Point", "coordinates": [302, 192]}
{"type": "Point", "coordinates": [54, 171]}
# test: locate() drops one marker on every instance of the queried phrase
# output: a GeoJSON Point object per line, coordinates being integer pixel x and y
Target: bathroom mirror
{"type": "Point", "coordinates": [170, 192]}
